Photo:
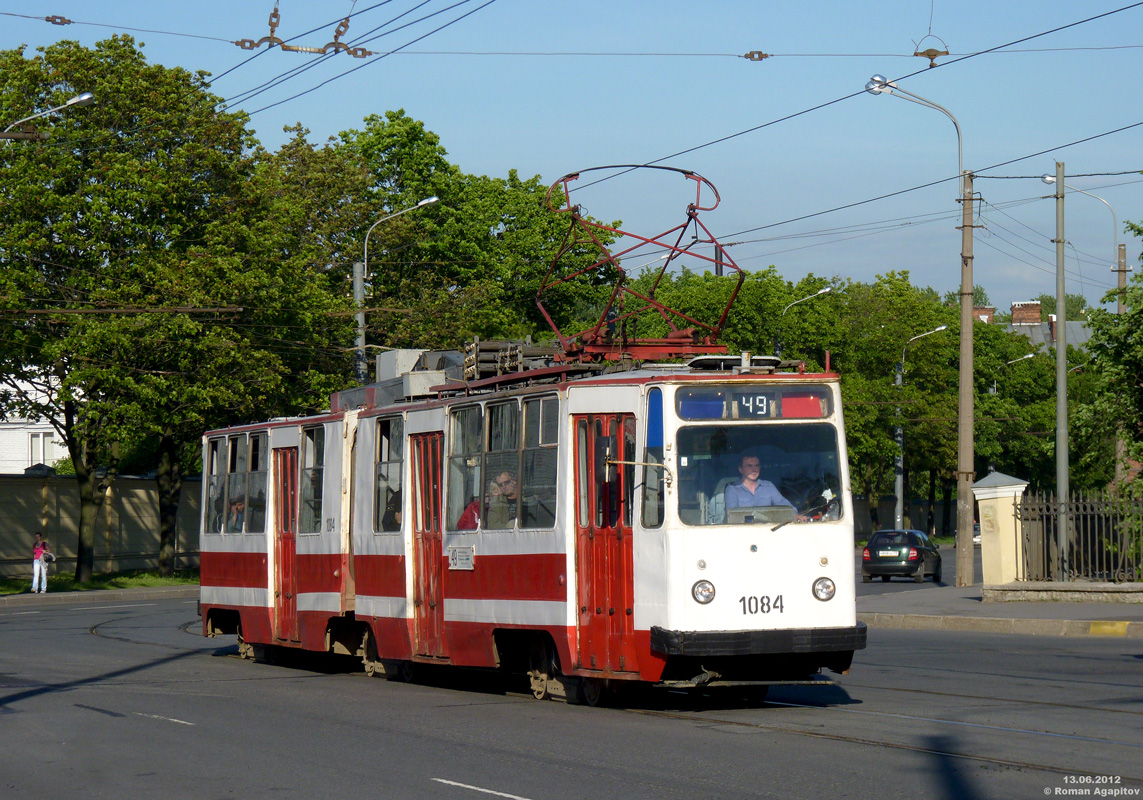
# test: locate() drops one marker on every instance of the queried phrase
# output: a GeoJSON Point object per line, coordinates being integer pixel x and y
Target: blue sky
{"type": "Point", "coordinates": [658, 78]}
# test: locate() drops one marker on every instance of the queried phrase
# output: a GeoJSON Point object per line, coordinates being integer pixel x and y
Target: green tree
{"type": "Point", "coordinates": [1074, 304]}
{"type": "Point", "coordinates": [468, 266]}
{"type": "Point", "coordinates": [142, 233]}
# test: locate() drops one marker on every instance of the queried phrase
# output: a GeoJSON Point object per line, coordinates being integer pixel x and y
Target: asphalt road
{"type": "Point", "coordinates": [127, 701]}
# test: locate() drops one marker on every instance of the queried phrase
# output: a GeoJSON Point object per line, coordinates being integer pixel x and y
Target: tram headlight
{"type": "Point", "coordinates": [824, 589]}
{"type": "Point", "coordinates": [703, 592]}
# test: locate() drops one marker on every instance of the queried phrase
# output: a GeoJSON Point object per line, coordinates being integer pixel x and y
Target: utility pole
{"type": "Point", "coordinates": [966, 427]}
{"type": "Point", "coordinates": [360, 368]}
{"type": "Point", "coordinates": [1062, 488]}
{"type": "Point", "coordinates": [1121, 308]}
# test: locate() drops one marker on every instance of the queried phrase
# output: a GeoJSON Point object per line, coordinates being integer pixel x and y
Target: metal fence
{"type": "Point", "coordinates": [1094, 536]}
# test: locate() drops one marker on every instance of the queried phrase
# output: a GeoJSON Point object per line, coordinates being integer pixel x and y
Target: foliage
{"type": "Point", "coordinates": [146, 232]}
{"type": "Point", "coordinates": [1074, 304]}
{"type": "Point", "coordinates": [468, 266]}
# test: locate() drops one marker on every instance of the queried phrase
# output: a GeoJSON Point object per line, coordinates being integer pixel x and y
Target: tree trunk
{"type": "Point", "coordinates": [88, 507]}
{"type": "Point", "coordinates": [931, 522]}
{"type": "Point", "coordinates": [947, 486]}
{"type": "Point", "coordinates": [169, 479]}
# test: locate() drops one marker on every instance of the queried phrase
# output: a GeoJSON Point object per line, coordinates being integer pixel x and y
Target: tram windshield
{"type": "Point", "coordinates": [758, 473]}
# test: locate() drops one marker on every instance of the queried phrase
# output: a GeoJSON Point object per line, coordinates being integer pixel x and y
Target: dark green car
{"type": "Point", "coordinates": [905, 553]}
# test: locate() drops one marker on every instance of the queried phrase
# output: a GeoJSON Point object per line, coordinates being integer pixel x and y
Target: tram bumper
{"type": "Point", "coordinates": [747, 643]}
{"type": "Point", "coordinates": [772, 656]}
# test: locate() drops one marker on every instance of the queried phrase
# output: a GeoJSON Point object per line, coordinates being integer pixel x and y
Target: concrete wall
{"type": "Point", "coordinates": [126, 530]}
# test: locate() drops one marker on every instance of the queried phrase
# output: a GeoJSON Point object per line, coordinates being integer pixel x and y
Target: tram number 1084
{"type": "Point", "coordinates": [762, 604]}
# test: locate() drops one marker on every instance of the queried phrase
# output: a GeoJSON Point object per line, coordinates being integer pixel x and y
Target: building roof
{"type": "Point", "coordinates": [1077, 333]}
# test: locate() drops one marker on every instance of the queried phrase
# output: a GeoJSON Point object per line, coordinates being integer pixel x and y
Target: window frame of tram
{"type": "Point", "coordinates": [654, 500]}
{"type": "Point", "coordinates": [388, 472]}
{"type": "Point", "coordinates": [520, 439]}
{"type": "Point", "coordinates": [311, 481]}
{"type": "Point", "coordinates": [237, 473]}
{"type": "Point", "coordinates": [701, 493]}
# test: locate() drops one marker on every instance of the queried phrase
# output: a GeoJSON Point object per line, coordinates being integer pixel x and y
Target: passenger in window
{"type": "Point", "coordinates": [236, 514]}
{"type": "Point", "coordinates": [470, 517]}
{"type": "Point", "coordinates": [503, 505]}
{"type": "Point", "coordinates": [751, 491]}
{"type": "Point", "coordinates": [391, 519]}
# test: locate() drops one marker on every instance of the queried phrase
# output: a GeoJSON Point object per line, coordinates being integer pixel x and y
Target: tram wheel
{"type": "Point", "coordinates": [245, 649]}
{"type": "Point", "coordinates": [590, 692]}
{"type": "Point", "coordinates": [541, 669]}
{"type": "Point", "coordinates": [373, 666]}
{"type": "Point", "coordinates": [403, 671]}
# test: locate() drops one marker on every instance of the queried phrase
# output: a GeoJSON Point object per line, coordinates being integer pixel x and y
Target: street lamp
{"type": "Point", "coordinates": [965, 424]}
{"type": "Point", "coordinates": [360, 270]}
{"type": "Point", "coordinates": [992, 391]}
{"type": "Point", "coordinates": [778, 338]}
{"type": "Point", "coordinates": [899, 435]}
{"type": "Point", "coordinates": [85, 99]}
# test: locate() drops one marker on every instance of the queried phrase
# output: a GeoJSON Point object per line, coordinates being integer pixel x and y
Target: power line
{"type": "Point", "coordinates": [862, 91]}
{"type": "Point", "coordinates": [369, 63]}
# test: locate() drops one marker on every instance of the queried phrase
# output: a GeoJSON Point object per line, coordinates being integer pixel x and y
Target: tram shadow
{"type": "Point", "coordinates": [652, 698]}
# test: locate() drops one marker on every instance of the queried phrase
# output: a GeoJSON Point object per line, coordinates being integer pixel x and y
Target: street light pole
{"type": "Point", "coordinates": [965, 469]}
{"type": "Point", "coordinates": [778, 338]}
{"type": "Point", "coordinates": [85, 99]}
{"type": "Point", "coordinates": [899, 436]}
{"type": "Point", "coordinates": [360, 271]}
{"type": "Point", "coordinates": [1121, 268]}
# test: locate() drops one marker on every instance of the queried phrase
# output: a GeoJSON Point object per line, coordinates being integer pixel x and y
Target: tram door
{"type": "Point", "coordinates": [285, 543]}
{"type": "Point", "coordinates": [428, 565]}
{"type": "Point", "coordinates": [604, 573]}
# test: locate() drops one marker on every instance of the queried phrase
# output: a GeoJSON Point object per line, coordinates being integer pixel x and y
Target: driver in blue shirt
{"type": "Point", "coordinates": [751, 491]}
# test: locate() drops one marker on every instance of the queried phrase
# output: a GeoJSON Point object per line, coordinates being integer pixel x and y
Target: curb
{"type": "Point", "coordinates": [1023, 627]}
{"type": "Point", "coordinates": [98, 596]}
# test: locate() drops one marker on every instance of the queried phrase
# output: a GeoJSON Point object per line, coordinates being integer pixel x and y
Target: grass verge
{"type": "Point", "coordinates": [113, 580]}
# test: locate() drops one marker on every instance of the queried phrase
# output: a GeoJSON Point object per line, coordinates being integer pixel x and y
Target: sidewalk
{"type": "Point", "coordinates": [26, 599]}
{"type": "Point", "coordinates": [943, 608]}
{"type": "Point", "coordinates": [951, 608]}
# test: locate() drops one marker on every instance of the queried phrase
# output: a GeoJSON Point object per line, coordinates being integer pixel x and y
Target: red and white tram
{"type": "Point", "coordinates": [581, 524]}
{"type": "Point", "coordinates": [574, 528]}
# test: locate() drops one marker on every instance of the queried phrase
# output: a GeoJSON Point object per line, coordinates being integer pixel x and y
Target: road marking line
{"type": "Point", "coordinates": [165, 719]}
{"type": "Point", "coordinates": [478, 789]}
{"type": "Point", "coordinates": [101, 608]}
{"type": "Point", "coordinates": [1107, 628]}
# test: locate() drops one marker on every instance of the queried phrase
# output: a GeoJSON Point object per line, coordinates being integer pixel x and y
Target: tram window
{"type": "Point", "coordinates": [539, 462]}
{"type": "Point", "coordinates": [583, 444]}
{"type": "Point", "coordinates": [653, 454]}
{"type": "Point", "coordinates": [606, 475]}
{"type": "Point", "coordinates": [799, 461]}
{"type": "Point", "coordinates": [541, 421]}
{"type": "Point", "coordinates": [502, 462]}
{"type": "Point", "coordinates": [388, 465]}
{"type": "Point", "coordinates": [628, 469]}
{"type": "Point", "coordinates": [214, 514]}
{"type": "Point", "coordinates": [256, 485]}
{"type": "Point", "coordinates": [312, 480]}
{"type": "Point", "coordinates": [236, 485]}
{"type": "Point", "coordinates": [465, 463]}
